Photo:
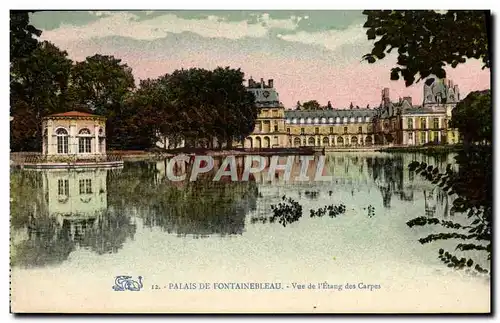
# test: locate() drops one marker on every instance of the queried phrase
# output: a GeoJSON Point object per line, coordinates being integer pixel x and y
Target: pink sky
{"type": "Point", "coordinates": [320, 65]}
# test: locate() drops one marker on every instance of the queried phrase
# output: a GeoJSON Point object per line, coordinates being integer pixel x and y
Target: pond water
{"type": "Point", "coordinates": [73, 231]}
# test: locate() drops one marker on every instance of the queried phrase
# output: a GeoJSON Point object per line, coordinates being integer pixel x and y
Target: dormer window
{"type": "Point", "coordinates": [302, 121]}
{"type": "Point", "coordinates": [345, 120]}
{"type": "Point", "coordinates": [331, 120]}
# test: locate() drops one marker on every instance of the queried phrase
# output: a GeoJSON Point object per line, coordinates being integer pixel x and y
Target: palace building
{"type": "Point", "coordinates": [403, 123]}
{"type": "Point", "coordinates": [399, 123]}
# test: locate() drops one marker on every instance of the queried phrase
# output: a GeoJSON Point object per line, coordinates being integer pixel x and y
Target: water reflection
{"type": "Point", "coordinates": [65, 210]}
{"type": "Point", "coordinates": [55, 212]}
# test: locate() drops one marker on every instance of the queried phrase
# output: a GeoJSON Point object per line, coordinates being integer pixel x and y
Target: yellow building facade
{"type": "Point", "coordinates": [398, 123]}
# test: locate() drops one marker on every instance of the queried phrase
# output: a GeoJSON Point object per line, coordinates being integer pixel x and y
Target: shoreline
{"type": "Point", "coordinates": [19, 158]}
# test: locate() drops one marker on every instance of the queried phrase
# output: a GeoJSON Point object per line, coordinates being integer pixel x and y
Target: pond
{"type": "Point", "coordinates": [74, 231]}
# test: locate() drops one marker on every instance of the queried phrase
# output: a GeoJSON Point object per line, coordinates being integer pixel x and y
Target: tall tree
{"type": "Point", "coordinates": [22, 33]}
{"type": "Point", "coordinates": [427, 41]}
{"type": "Point", "coordinates": [39, 88]}
{"type": "Point", "coordinates": [103, 82]}
{"type": "Point", "coordinates": [473, 117]}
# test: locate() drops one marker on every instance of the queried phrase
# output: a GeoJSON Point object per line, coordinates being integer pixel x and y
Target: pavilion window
{"type": "Point", "coordinates": [316, 130]}
{"type": "Point", "coordinates": [345, 129]}
{"type": "Point", "coordinates": [84, 143]}
{"type": "Point", "coordinates": [62, 141]}
{"type": "Point", "coordinates": [85, 186]}
{"type": "Point", "coordinates": [63, 187]}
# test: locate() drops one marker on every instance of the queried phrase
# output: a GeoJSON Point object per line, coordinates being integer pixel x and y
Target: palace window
{"type": "Point", "coordinates": [360, 119]}
{"type": "Point", "coordinates": [422, 137]}
{"type": "Point", "coordinates": [345, 119]}
{"type": "Point", "coordinates": [62, 141]}
{"type": "Point", "coordinates": [345, 129]}
{"type": "Point", "coordinates": [410, 123]}
{"type": "Point", "coordinates": [85, 186]}
{"type": "Point", "coordinates": [410, 136]}
{"type": "Point", "coordinates": [337, 120]}
{"type": "Point", "coordinates": [302, 131]}
{"type": "Point", "coordinates": [288, 130]}
{"type": "Point", "coordinates": [63, 187]}
{"type": "Point", "coordinates": [436, 136]}
{"type": "Point", "coordinates": [275, 128]}
{"type": "Point", "coordinates": [360, 129]}
{"type": "Point", "coordinates": [316, 130]}
{"type": "Point", "coordinates": [423, 123]}
{"type": "Point", "coordinates": [331, 130]}
{"type": "Point", "coordinates": [436, 123]}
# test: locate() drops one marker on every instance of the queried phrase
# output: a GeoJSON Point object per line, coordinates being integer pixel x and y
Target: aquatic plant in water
{"type": "Point", "coordinates": [471, 186]}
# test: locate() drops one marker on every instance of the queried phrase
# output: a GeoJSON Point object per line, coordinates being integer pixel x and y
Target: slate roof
{"type": "Point", "coordinates": [289, 114]}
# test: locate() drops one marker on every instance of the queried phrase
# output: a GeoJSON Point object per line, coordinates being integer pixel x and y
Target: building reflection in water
{"type": "Point", "coordinates": [71, 212]}
{"type": "Point", "coordinates": [56, 212]}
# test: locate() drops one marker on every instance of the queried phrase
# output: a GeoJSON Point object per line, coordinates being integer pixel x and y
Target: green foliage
{"type": "Point", "coordinates": [473, 188]}
{"type": "Point", "coordinates": [426, 40]}
{"type": "Point", "coordinates": [102, 82]}
{"type": "Point", "coordinates": [22, 41]}
{"type": "Point", "coordinates": [333, 211]}
{"type": "Point", "coordinates": [201, 105]}
{"type": "Point", "coordinates": [39, 88]}
{"type": "Point", "coordinates": [286, 212]}
{"type": "Point", "coordinates": [473, 117]}
{"type": "Point", "coordinates": [311, 105]}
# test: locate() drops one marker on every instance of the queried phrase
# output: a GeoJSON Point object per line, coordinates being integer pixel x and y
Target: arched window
{"type": "Point", "coordinates": [330, 120]}
{"type": "Point", "coordinates": [316, 120]}
{"type": "Point", "coordinates": [84, 146]}
{"type": "Point", "coordinates": [84, 131]}
{"type": "Point", "coordinates": [62, 141]}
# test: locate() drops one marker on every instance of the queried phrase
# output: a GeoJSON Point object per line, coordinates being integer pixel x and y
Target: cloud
{"type": "Point", "coordinates": [127, 24]}
{"type": "Point", "coordinates": [329, 39]}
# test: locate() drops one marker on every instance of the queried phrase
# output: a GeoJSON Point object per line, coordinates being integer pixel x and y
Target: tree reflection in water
{"type": "Point", "coordinates": [199, 208]}
{"type": "Point", "coordinates": [67, 210]}
{"type": "Point", "coordinates": [47, 229]}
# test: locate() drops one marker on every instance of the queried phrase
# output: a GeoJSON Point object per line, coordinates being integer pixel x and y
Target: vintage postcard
{"type": "Point", "coordinates": [186, 161]}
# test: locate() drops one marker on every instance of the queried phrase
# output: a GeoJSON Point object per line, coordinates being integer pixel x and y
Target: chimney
{"type": "Point", "coordinates": [251, 82]}
{"type": "Point", "coordinates": [261, 83]}
{"type": "Point", "coordinates": [271, 83]}
{"type": "Point", "coordinates": [385, 96]}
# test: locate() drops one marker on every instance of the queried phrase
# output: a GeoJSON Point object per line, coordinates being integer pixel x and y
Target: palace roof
{"type": "Point", "coordinates": [333, 113]}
